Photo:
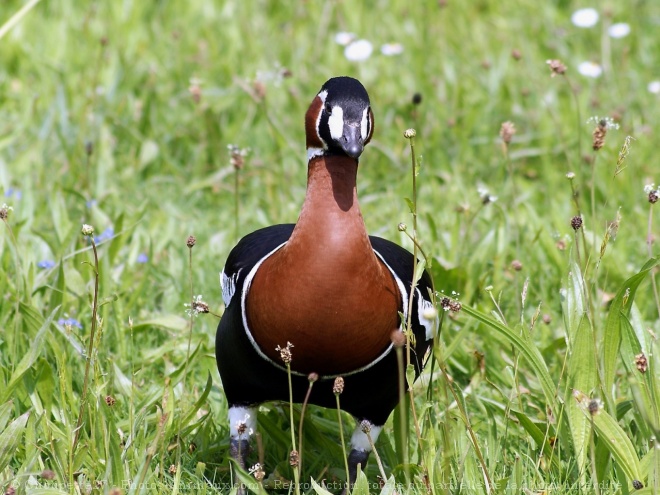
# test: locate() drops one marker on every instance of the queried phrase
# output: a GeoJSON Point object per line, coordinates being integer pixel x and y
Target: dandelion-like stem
{"type": "Point", "coordinates": [343, 443]}
{"type": "Point", "coordinates": [593, 197]}
{"type": "Point", "coordinates": [190, 329]}
{"type": "Point", "coordinates": [410, 135]}
{"type": "Point", "coordinates": [592, 451]}
{"type": "Point", "coordinates": [236, 201]}
{"type": "Point", "coordinates": [378, 461]}
{"type": "Point", "coordinates": [90, 350]}
{"type": "Point", "coordinates": [414, 237]}
{"type": "Point", "coordinates": [300, 424]}
{"type": "Point", "coordinates": [649, 242]}
{"type": "Point", "coordinates": [404, 415]}
{"type": "Point", "coordinates": [296, 469]}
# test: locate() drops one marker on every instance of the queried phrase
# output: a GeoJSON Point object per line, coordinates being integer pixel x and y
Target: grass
{"type": "Point", "coordinates": [120, 114]}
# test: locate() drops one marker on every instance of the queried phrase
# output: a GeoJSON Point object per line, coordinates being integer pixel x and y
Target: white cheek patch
{"type": "Point", "coordinates": [336, 123]}
{"type": "Point", "coordinates": [364, 124]}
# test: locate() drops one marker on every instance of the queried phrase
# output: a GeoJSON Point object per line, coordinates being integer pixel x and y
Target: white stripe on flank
{"type": "Point", "coordinates": [228, 286]}
{"type": "Point", "coordinates": [246, 288]}
{"type": "Point", "coordinates": [424, 305]}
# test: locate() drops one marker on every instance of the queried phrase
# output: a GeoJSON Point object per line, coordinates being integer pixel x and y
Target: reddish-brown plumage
{"type": "Point", "coordinates": [325, 291]}
{"type": "Point", "coordinates": [313, 112]}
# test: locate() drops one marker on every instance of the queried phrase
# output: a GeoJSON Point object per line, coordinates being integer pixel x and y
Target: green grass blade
{"type": "Point", "coordinates": [620, 308]}
{"type": "Point", "coordinates": [582, 376]}
{"type": "Point", "coordinates": [527, 349]}
{"type": "Point", "coordinates": [32, 319]}
{"type": "Point", "coordinates": [617, 441]}
{"type": "Point", "coordinates": [10, 439]}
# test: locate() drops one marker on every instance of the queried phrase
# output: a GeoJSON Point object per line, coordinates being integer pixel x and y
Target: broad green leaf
{"type": "Point", "coordinates": [5, 413]}
{"type": "Point", "coordinates": [60, 218]}
{"type": "Point", "coordinates": [361, 486]}
{"type": "Point", "coordinates": [148, 152]}
{"type": "Point", "coordinates": [410, 204]}
{"type": "Point", "coordinates": [540, 437]}
{"type": "Point", "coordinates": [400, 428]}
{"type": "Point", "coordinates": [575, 305]}
{"type": "Point", "coordinates": [582, 375]}
{"type": "Point", "coordinates": [116, 243]}
{"type": "Point", "coordinates": [410, 374]}
{"type": "Point", "coordinates": [36, 346]}
{"type": "Point", "coordinates": [617, 441]}
{"type": "Point", "coordinates": [58, 289]}
{"type": "Point", "coordinates": [10, 439]}
{"type": "Point", "coordinates": [390, 487]}
{"type": "Point", "coordinates": [642, 383]}
{"type": "Point", "coordinates": [318, 489]}
{"type": "Point", "coordinates": [419, 270]}
{"type": "Point", "coordinates": [620, 307]}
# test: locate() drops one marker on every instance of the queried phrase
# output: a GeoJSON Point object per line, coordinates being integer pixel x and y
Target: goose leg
{"type": "Point", "coordinates": [242, 423]}
{"type": "Point", "coordinates": [360, 450]}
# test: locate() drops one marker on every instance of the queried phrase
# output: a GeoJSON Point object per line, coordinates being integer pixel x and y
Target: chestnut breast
{"type": "Point", "coordinates": [331, 297]}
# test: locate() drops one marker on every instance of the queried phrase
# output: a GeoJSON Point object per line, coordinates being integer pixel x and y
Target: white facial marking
{"type": "Point", "coordinates": [336, 123]}
{"type": "Point", "coordinates": [424, 308]}
{"type": "Point", "coordinates": [364, 125]}
{"type": "Point", "coordinates": [359, 440]}
{"type": "Point", "coordinates": [323, 95]}
{"type": "Point", "coordinates": [244, 418]}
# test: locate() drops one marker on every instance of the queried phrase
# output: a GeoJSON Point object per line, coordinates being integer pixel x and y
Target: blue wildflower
{"type": "Point", "coordinates": [105, 235]}
{"type": "Point", "coordinates": [46, 264]}
{"type": "Point", "coordinates": [69, 322]}
{"type": "Point", "coordinates": [17, 194]}
{"type": "Point", "coordinates": [142, 258]}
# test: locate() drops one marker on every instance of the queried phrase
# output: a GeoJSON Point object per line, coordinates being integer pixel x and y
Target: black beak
{"type": "Point", "coordinates": [351, 141]}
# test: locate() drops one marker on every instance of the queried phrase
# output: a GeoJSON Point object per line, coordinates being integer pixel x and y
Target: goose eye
{"type": "Point", "coordinates": [328, 109]}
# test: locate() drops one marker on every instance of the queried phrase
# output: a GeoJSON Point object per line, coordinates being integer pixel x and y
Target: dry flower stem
{"type": "Point", "coordinates": [90, 350]}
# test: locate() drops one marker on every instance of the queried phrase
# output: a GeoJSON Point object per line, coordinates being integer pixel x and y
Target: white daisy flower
{"type": "Point", "coordinates": [391, 49]}
{"type": "Point", "coordinates": [654, 87]}
{"type": "Point", "coordinates": [619, 30]}
{"type": "Point", "coordinates": [585, 18]}
{"type": "Point", "coordinates": [358, 51]}
{"type": "Point", "coordinates": [590, 69]}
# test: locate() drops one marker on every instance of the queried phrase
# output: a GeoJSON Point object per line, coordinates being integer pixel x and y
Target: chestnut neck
{"type": "Point", "coordinates": [325, 287]}
{"type": "Point", "coordinates": [330, 218]}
